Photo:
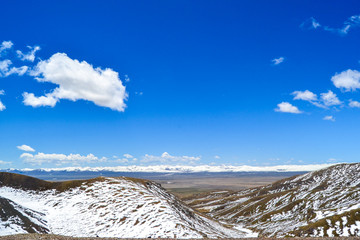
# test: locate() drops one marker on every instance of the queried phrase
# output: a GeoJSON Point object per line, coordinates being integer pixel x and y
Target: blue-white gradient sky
{"type": "Point", "coordinates": [109, 83]}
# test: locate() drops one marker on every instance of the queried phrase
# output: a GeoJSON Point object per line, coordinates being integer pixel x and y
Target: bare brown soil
{"type": "Point", "coordinates": [183, 188]}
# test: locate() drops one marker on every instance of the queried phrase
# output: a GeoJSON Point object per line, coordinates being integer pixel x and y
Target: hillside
{"type": "Point", "coordinates": [104, 207]}
{"type": "Point", "coordinates": [320, 203]}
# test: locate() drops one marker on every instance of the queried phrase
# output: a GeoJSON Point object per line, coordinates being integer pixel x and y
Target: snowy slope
{"type": "Point", "coordinates": [110, 207]}
{"type": "Point", "coordinates": [320, 203]}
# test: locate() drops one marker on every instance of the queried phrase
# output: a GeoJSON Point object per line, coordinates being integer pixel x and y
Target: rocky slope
{"type": "Point", "coordinates": [104, 207]}
{"type": "Point", "coordinates": [320, 203]}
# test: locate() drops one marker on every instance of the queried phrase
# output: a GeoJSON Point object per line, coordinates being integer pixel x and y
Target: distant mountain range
{"type": "Point", "coordinates": [184, 169]}
{"type": "Point", "coordinates": [320, 203]}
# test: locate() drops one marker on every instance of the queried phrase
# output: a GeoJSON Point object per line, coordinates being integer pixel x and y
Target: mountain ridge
{"type": "Point", "coordinates": [296, 206]}
{"type": "Point", "coordinates": [104, 207]}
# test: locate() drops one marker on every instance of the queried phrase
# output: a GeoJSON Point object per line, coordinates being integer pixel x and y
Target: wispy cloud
{"type": "Point", "coordinates": [310, 23]}
{"type": "Point", "coordinates": [350, 23]}
{"type": "Point", "coordinates": [29, 56]}
{"type": "Point", "coordinates": [26, 148]}
{"type": "Point", "coordinates": [329, 118]}
{"type": "Point", "coordinates": [287, 107]}
{"type": "Point", "coordinates": [6, 70]}
{"type": "Point", "coordinates": [167, 158]}
{"type": "Point", "coordinates": [59, 159]}
{"type": "Point", "coordinates": [277, 61]}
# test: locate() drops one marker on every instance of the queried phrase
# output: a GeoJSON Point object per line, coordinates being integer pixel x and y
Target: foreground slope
{"type": "Point", "coordinates": [104, 207]}
{"type": "Point", "coordinates": [320, 203]}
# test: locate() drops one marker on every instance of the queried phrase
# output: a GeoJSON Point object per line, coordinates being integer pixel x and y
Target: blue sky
{"type": "Point", "coordinates": [112, 83]}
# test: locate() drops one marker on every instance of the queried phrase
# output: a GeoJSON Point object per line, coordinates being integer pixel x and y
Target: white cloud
{"type": "Point", "coordinates": [30, 56]}
{"type": "Point", "coordinates": [348, 80]}
{"type": "Point", "coordinates": [2, 106]}
{"type": "Point", "coordinates": [47, 100]}
{"type": "Point", "coordinates": [330, 99]}
{"type": "Point", "coordinates": [17, 70]}
{"type": "Point", "coordinates": [5, 69]}
{"type": "Point", "coordinates": [126, 155]}
{"type": "Point", "coordinates": [329, 118]}
{"type": "Point", "coordinates": [4, 65]}
{"type": "Point", "coordinates": [287, 108]}
{"type": "Point", "coordinates": [5, 45]}
{"type": "Point", "coordinates": [26, 148]}
{"type": "Point", "coordinates": [127, 79]}
{"type": "Point", "coordinates": [3, 162]}
{"type": "Point", "coordinates": [217, 157]}
{"type": "Point", "coordinates": [277, 61]}
{"type": "Point", "coordinates": [60, 159]}
{"type": "Point", "coordinates": [122, 160]}
{"type": "Point", "coordinates": [78, 81]}
{"type": "Point", "coordinates": [351, 22]}
{"type": "Point", "coordinates": [304, 95]}
{"type": "Point", "coordinates": [167, 158]}
{"type": "Point", "coordinates": [354, 104]}
{"type": "Point", "coordinates": [311, 23]}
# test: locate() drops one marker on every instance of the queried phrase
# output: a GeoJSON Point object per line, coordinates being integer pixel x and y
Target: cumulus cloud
{"type": "Point", "coordinates": [304, 95]}
{"type": "Point", "coordinates": [26, 148]}
{"type": "Point", "coordinates": [77, 81]}
{"type": "Point", "coordinates": [329, 118]}
{"type": "Point", "coordinates": [47, 100]}
{"type": "Point", "coordinates": [330, 99]}
{"type": "Point", "coordinates": [354, 104]}
{"type": "Point", "coordinates": [59, 159]}
{"type": "Point", "coordinates": [348, 80]}
{"type": "Point", "coordinates": [29, 56]}
{"type": "Point", "coordinates": [167, 158]}
{"type": "Point", "coordinates": [5, 45]}
{"type": "Point", "coordinates": [287, 108]}
{"type": "Point", "coordinates": [277, 61]}
{"type": "Point", "coordinates": [310, 23]}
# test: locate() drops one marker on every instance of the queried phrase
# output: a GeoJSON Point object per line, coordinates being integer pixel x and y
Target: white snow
{"type": "Point", "coordinates": [116, 207]}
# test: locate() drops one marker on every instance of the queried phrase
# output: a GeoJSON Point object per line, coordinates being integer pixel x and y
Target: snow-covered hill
{"type": "Point", "coordinates": [104, 207]}
{"type": "Point", "coordinates": [320, 203]}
